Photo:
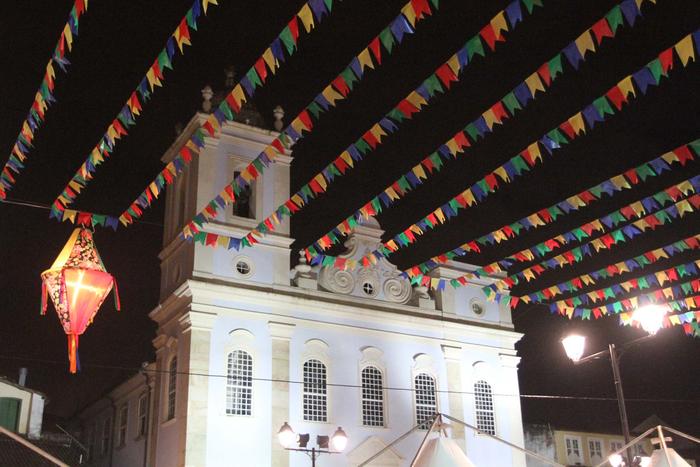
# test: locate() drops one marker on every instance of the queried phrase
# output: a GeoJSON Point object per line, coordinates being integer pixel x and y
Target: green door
{"type": "Point", "coordinates": [9, 412]}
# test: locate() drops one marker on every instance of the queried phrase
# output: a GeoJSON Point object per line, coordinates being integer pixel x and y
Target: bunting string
{"type": "Point", "coordinates": [647, 281]}
{"type": "Point", "coordinates": [338, 89]}
{"type": "Point", "coordinates": [415, 102]}
{"type": "Point", "coordinates": [285, 44]}
{"type": "Point", "coordinates": [43, 98]}
{"type": "Point", "coordinates": [577, 125]}
{"type": "Point", "coordinates": [625, 180]}
{"type": "Point", "coordinates": [129, 113]}
{"type": "Point", "coordinates": [605, 242]}
{"type": "Point", "coordinates": [519, 97]}
{"type": "Point", "coordinates": [647, 211]}
{"type": "Point", "coordinates": [584, 280]}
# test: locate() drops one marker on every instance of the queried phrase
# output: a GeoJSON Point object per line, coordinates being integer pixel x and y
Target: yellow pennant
{"type": "Point", "coordinates": [306, 17]}
{"type": "Point", "coordinates": [584, 43]}
{"type": "Point", "coordinates": [534, 150]}
{"type": "Point", "coordinates": [416, 99]}
{"type": "Point", "coordinates": [377, 131]}
{"type": "Point", "coordinates": [534, 83]}
{"type": "Point", "coordinates": [501, 172]}
{"type": "Point", "coordinates": [683, 207]}
{"type": "Point", "coordinates": [238, 95]}
{"type": "Point", "coordinates": [468, 196]}
{"type": "Point", "coordinates": [489, 118]}
{"type": "Point", "coordinates": [453, 63]}
{"type": "Point", "coordinates": [638, 208]}
{"type": "Point", "coordinates": [298, 200]}
{"type": "Point", "coordinates": [347, 158]}
{"type": "Point", "coordinates": [68, 35]}
{"type": "Point", "coordinates": [365, 60]}
{"type": "Point", "coordinates": [452, 146]}
{"type": "Point", "coordinates": [419, 172]}
{"type": "Point", "coordinates": [321, 181]}
{"type": "Point", "coordinates": [205, 4]}
{"type": "Point", "coordinates": [409, 13]}
{"type": "Point", "coordinates": [529, 275]}
{"type": "Point", "coordinates": [627, 87]}
{"type": "Point", "coordinates": [331, 95]}
{"type": "Point", "coordinates": [498, 23]}
{"type": "Point", "coordinates": [620, 182]}
{"type": "Point", "coordinates": [69, 214]}
{"type": "Point", "coordinates": [270, 60]}
{"type": "Point", "coordinates": [577, 124]}
{"type": "Point", "coordinates": [685, 187]}
{"type": "Point", "coordinates": [75, 186]}
{"type": "Point", "coordinates": [391, 193]}
{"type": "Point", "coordinates": [669, 157]}
{"type": "Point", "coordinates": [684, 49]}
{"type": "Point", "coordinates": [440, 215]}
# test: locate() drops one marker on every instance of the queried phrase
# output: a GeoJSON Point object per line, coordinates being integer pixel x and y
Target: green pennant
{"type": "Point", "coordinates": [403, 183]}
{"type": "Point", "coordinates": [617, 307]}
{"type": "Point", "coordinates": [542, 249]}
{"type": "Point", "coordinates": [315, 109]}
{"type": "Point", "coordinates": [642, 260]}
{"type": "Point", "coordinates": [555, 68]}
{"type": "Point", "coordinates": [531, 4]}
{"type": "Point", "coordinates": [578, 254]}
{"type": "Point", "coordinates": [662, 197]}
{"type": "Point", "coordinates": [435, 3]}
{"type": "Point", "coordinates": [696, 146]}
{"type": "Point", "coordinates": [436, 160]}
{"type": "Point", "coordinates": [286, 37]}
{"type": "Point", "coordinates": [511, 103]}
{"type": "Point", "coordinates": [617, 218]}
{"type": "Point", "coordinates": [376, 204]}
{"type": "Point", "coordinates": [618, 236]}
{"type": "Point", "coordinates": [334, 170]}
{"type": "Point", "coordinates": [349, 77]}
{"type": "Point", "coordinates": [352, 222]}
{"type": "Point", "coordinates": [190, 20]}
{"type": "Point", "coordinates": [484, 186]}
{"type": "Point", "coordinates": [576, 301]}
{"type": "Point", "coordinates": [614, 18]}
{"type": "Point", "coordinates": [687, 288]}
{"type": "Point", "coordinates": [396, 115]}
{"type": "Point", "coordinates": [586, 314]}
{"type": "Point", "coordinates": [681, 270]}
{"type": "Point", "coordinates": [362, 146]}
{"type": "Point", "coordinates": [472, 132]}
{"type": "Point", "coordinates": [608, 293]}
{"type": "Point", "coordinates": [306, 189]}
{"type": "Point", "coordinates": [603, 106]}
{"type": "Point", "coordinates": [642, 283]}
{"type": "Point", "coordinates": [455, 205]}
{"type": "Point", "coordinates": [557, 136]}
{"type": "Point", "coordinates": [682, 245]}
{"type": "Point", "coordinates": [329, 4]}
{"type": "Point", "coordinates": [226, 109]}
{"type": "Point", "coordinates": [98, 219]}
{"type": "Point", "coordinates": [257, 163]}
{"type": "Point", "coordinates": [253, 77]}
{"type": "Point", "coordinates": [644, 171]}
{"type": "Point", "coordinates": [579, 234]}
{"type": "Point", "coordinates": [519, 164]}
{"type": "Point", "coordinates": [284, 211]}
{"type": "Point", "coordinates": [516, 228]}
{"type": "Point", "coordinates": [555, 212]}
{"type": "Point", "coordinates": [164, 61]}
{"type": "Point", "coordinates": [663, 217]}
{"type": "Point", "coordinates": [450, 255]}
{"type": "Point", "coordinates": [656, 70]}
{"type": "Point", "coordinates": [387, 39]}
{"type": "Point", "coordinates": [200, 237]}
{"type": "Point", "coordinates": [474, 46]}
{"type": "Point", "coordinates": [262, 228]}
{"type": "Point", "coordinates": [404, 237]}
{"type": "Point", "coordinates": [245, 242]}
{"type": "Point", "coordinates": [432, 85]}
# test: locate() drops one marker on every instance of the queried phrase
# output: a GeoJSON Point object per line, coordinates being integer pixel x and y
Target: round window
{"type": "Point", "coordinates": [242, 268]}
{"type": "Point", "coordinates": [368, 288]}
{"type": "Point", "coordinates": [477, 307]}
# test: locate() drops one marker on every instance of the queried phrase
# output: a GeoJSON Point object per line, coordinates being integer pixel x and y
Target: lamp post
{"type": "Point", "coordinates": [650, 319]}
{"type": "Point", "coordinates": [334, 444]}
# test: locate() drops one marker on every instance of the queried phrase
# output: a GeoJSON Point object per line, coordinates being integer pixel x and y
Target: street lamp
{"type": "Point", "coordinates": [334, 444]}
{"type": "Point", "coordinates": [650, 318]}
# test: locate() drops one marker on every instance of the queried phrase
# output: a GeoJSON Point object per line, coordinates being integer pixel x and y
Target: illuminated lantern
{"type": "Point", "coordinates": [77, 283]}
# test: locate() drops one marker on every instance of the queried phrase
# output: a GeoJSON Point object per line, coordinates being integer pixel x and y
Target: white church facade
{"type": "Point", "coordinates": [244, 344]}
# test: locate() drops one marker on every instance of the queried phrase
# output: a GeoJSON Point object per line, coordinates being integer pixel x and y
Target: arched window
{"type": "Point", "coordinates": [315, 391]}
{"type": "Point", "coordinates": [239, 383]}
{"type": "Point", "coordinates": [426, 399]}
{"type": "Point", "coordinates": [483, 401]}
{"type": "Point", "coordinates": [172, 389]}
{"type": "Point", "coordinates": [372, 397]}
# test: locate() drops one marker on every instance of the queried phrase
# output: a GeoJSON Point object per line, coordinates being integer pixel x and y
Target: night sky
{"type": "Point", "coordinates": [119, 40]}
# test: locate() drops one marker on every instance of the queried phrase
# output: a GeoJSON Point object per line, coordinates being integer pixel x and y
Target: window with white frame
{"type": "Point", "coordinates": [616, 445]}
{"type": "Point", "coordinates": [425, 397]}
{"type": "Point", "coordinates": [123, 421]}
{"type": "Point", "coordinates": [573, 449]}
{"type": "Point", "coordinates": [315, 391]}
{"type": "Point", "coordinates": [483, 402]}
{"type": "Point", "coordinates": [239, 383]}
{"type": "Point", "coordinates": [595, 449]}
{"type": "Point", "coordinates": [106, 435]}
{"type": "Point", "coordinates": [372, 396]}
{"type": "Point", "coordinates": [142, 414]}
{"type": "Point", "coordinates": [172, 389]}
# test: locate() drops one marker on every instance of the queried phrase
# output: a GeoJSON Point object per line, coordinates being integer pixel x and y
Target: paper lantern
{"type": "Point", "coordinates": [77, 283]}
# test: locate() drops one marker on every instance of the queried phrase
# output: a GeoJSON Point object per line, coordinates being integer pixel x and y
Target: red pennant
{"type": "Point", "coordinates": [499, 111]}
{"type": "Point", "coordinates": [461, 139]}
{"type": "Point", "coordinates": [211, 239]}
{"type": "Point", "coordinates": [340, 164]}
{"type": "Point", "coordinates": [232, 103]}
{"type": "Point", "coordinates": [341, 86]}
{"type": "Point", "coordinates": [489, 35]}
{"type": "Point", "coordinates": [306, 120]}
{"type": "Point", "coordinates": [261, 69]}
{"type": "Point", "coordinates": [446, 75]}
{"type": "Point", "coordinates": [374, 47]}
{"type": "Point", "coordinates": [544, 73]}
{"type": "Point", "coordinates": [277, 144]}
{"type": "Point", "coordinates": [602, 29]}
{"type": "Point", "coordinates": [632, 176]}
{"type": "Point", "coordinates": [420, 7]}
{"type": "Point", "coordinates": [684, 154]}
{"type": "Point", "coordinates": [568, 129]}
{"type": "Point", "coordinates": [616, 97]}
{"type": "Point", "coordinates": [407, 108]}
{"type": "Point", "coordinates": [666, 59]}
{"type": "Point", "coordinates": [294, 28]}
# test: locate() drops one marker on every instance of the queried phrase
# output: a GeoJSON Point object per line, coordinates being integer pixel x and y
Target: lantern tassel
{"type": "Point", "coordinates": [117, 302]}
{"type": "Point", "coordinates": [44, 293]}
{"type": "Point", "coordinates": [73, 353]}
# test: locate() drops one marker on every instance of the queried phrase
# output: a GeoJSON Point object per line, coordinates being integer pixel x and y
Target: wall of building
{"type": "Point", "coordinates": [584, 438]}
{"type": "Point", "coordinates": [31, 408]}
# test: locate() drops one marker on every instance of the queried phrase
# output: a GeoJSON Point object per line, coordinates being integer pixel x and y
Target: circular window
{"type": "Point", "coordinates": [477, 307]}
{"type": "Point", "coordinates": [243, 267]}
{"type": "Point", "coordinates": [368, 288]}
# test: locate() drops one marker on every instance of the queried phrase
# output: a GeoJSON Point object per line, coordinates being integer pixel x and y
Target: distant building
{"type": "Point", "coordinates": [21, 408]}
{"type": "Point", "coordinates": [244, 344]}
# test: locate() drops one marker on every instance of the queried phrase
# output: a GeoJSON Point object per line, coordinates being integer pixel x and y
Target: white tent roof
{"type": "Point", "coordinates": [658, 459]}
{"type": "Point", "coordinates": [443, 452]}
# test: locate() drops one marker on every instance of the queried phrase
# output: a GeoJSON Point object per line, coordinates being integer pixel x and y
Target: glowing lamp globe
{"type": "Point", "coordinates": [574, 346]}
{"type": "Point", "coordinates": [77, 283]}
{"type": "Point", "coordinates": [650, 317]}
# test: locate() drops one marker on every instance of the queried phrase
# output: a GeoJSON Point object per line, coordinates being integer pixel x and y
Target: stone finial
{"type": "Point", "coordinates": [278, 113]}
{"type": "Point", "coordinates": [302, 267]}
{"type": "Point", "coordinates": [207, 94]}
